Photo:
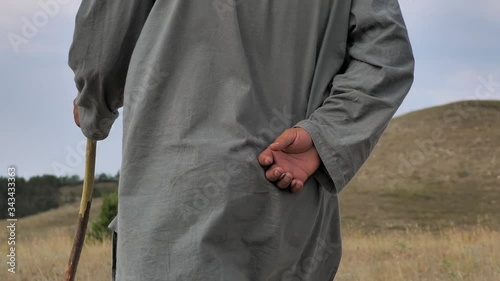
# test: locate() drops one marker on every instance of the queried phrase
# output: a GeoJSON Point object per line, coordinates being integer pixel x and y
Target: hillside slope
{"type": "Point", "coordinates": [432, 167]}
{"type": "Point", "coordinates": [63, 218]}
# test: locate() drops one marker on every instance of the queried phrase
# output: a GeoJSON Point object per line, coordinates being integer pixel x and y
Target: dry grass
{"type": "Point", "coordinates": [45, 259]}
{"type": "Point", "coordinates": [43, 245]}
{"type": "Point", "coordinates": [453, 254]}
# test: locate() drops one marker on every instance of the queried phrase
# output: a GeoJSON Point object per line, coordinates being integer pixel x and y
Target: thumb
{"type": "Point", "coordinates": [76, 113]}
{"type": "Point", "coordinates": [284, 140]}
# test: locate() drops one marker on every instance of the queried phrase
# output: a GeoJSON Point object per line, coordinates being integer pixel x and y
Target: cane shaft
{"type": "Point", "coordinates": [83, 214]}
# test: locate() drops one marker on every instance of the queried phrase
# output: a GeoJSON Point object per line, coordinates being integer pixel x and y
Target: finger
{"type": "Point", "coordinates": [285, 181]}
{"type": "Point", "coordinates": [266, 157]}
{"type": "Point", "coordinates": [284, 140]}
{"type": "Point", "coordinates": [76, 113]}
{"type": "Point", "coordinates": [297, 185]}
{"type": "Point", "coordinates": [274, 173]}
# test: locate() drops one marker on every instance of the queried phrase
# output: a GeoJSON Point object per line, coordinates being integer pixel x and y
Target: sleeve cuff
{"type": "Point", "coordinates": [329, 175]}
{"type": "Point", "coordinates": [94, 125]}
{"type": "Point", "coordinates": [113, 225]}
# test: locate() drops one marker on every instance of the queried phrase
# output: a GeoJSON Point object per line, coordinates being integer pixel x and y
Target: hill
{"type": "Point", "coordinates": [63, 219]}
{"type": "Point", "coordinates": [432, 168]}
{"type": "Point", "coordinates": [72, 193]}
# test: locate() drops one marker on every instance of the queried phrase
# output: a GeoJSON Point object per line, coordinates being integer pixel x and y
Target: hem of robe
{"type": "Point", "coordinates": [96, 125]}
{"type": "Point", "coordinates": [113, 226]}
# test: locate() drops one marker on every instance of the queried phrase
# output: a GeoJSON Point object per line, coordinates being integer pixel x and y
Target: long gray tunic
{"type": "Point", "coordinates": [206, 85]}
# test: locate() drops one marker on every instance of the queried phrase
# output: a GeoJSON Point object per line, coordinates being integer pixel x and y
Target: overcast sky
{"type": "Point", "coordinates": [456, 45]}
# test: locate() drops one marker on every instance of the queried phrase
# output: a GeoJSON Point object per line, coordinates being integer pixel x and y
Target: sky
{"type": "Point", "coordinates": [456, 45]}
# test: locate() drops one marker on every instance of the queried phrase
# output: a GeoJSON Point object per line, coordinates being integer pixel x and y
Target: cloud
{"type": "Point", "coordinates": [13, 9]}
{"type": "Point", "coordinates": [423, 10]}
{"type": "Point", "coordinates": [492, 11]}
{"type": "Point", "coordinates": [464, 84]}
{"type": "Point", "coordinates": [22, 21]}
{"type": "Point", "coordinates": [33, 27]}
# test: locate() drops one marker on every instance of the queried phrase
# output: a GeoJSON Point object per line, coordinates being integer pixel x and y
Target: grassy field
{"type": "Point", "coordinates": [43, 244]}
{"type": "Point", "coordinates": [452, 253]}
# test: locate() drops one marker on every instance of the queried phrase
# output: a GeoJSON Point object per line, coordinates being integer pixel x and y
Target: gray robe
{"type": "Point", "coordinates": [205, 86]}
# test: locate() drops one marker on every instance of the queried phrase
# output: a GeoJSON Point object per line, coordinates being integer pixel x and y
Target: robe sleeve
{"type": "Point", "coordinates": [364, 96]}
{"type": "Point", "coordinates": [106, 32]}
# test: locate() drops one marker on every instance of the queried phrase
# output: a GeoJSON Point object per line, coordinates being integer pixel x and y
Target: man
{"type": "Point", "coordinates": [243, 120]}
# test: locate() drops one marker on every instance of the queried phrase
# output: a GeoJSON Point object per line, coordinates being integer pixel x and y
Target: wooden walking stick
{"type": "Point", "coordinates": [83, 215]}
